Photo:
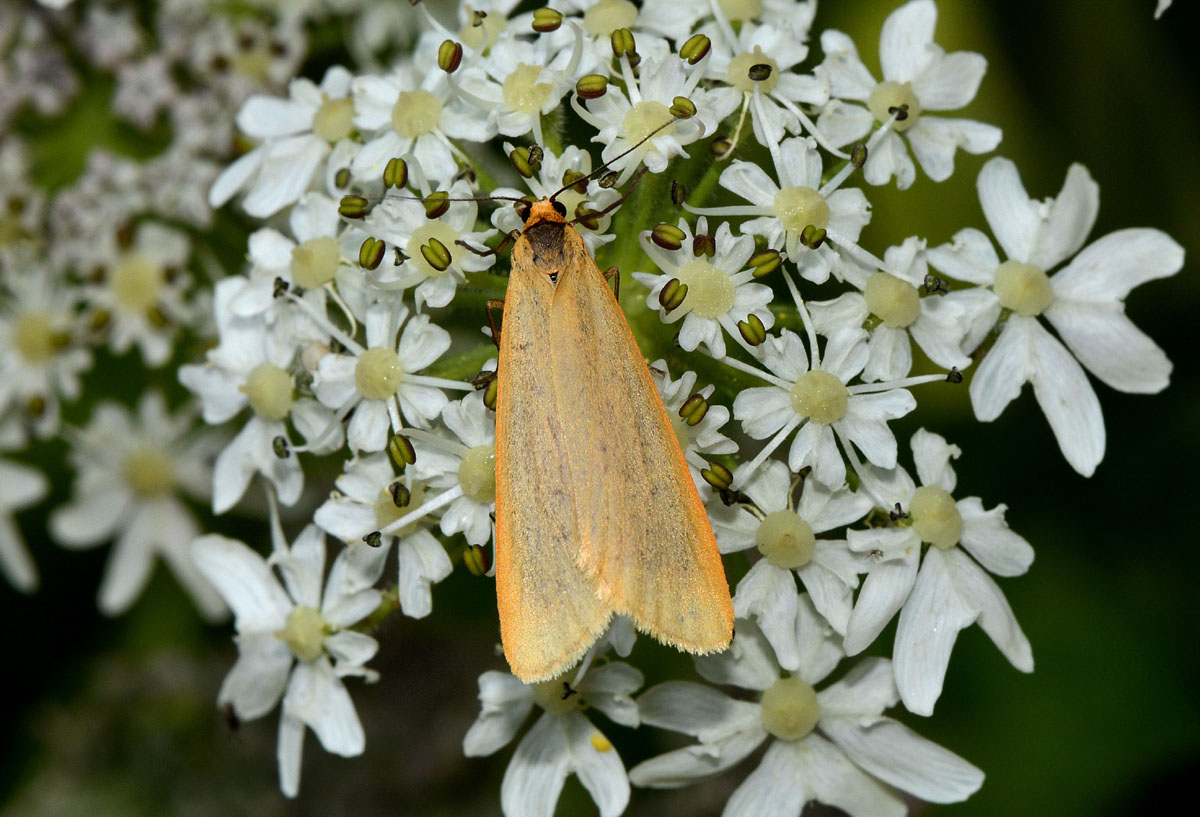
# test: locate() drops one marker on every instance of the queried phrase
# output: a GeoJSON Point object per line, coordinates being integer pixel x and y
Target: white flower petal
{"type": "Point", "coordinates": [838, 782]}
{"type": "Point", "coordinates": [748, 663]}
{"type": "Point", "coordinates": [317, 697]}
{"type": "Point", "coordinates": [862, 694]}
{"type": "Point", "coordinates": [768, 593]}
{"type": "Point", "coordinates": [932, 455]}
{"type": "Point", "coordinates": [505, 705]}
{"type": "Point", "coordinates": [987, 537]}
{"type": "Point", "coordinates": [925, 635]}
{"type": "Point", "coordinates": [884, 591]}
{"type": "Point", "coordinates": [1006, 367]}
{"type": "Point", "coordinates": [535, 775]}
{"type": "Point", "coordinates": [900, 757]}
{"type": "Point", "coordinates": [1111, 346]}
{"type": "Point", "coordinates": [1013, 217]}
{"type": "Point", "coordinates": [244, 581]}
{"type": "Point", "coordinates": [1068, 401]}
{"type": "Point", "coordinates": [597, 765]}
{"type": "Point", "coordinates": [259, 675]}
{"type": "Point", "coordinates": [1069, 221]}
{"type": "Point", "coordinates": [778, 786]}
{"type": "Point", "coordinates": [906, 39]}
{"type": "Point", "coordinates": [950, 81]}
{"type": "Point", "coordinates": [289, 753]}
{"type": "Point", "coordinates": [995, 615]}
{"type": "Point", "coordinates": [423, 563]}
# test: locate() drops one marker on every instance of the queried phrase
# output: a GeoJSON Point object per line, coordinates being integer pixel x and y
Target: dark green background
{"type": "Point", "coordinates": [117, 716]}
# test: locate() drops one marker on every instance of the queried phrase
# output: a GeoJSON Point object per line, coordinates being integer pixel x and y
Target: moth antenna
{"type": "Point", "coordinates": [618, 157]}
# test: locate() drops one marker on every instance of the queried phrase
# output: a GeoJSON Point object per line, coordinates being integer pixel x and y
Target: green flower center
{"type": "Point", "coordinates": [798, 207]}
{"type": "Point", "coordinates": [607, 16]}
{"type": "Point", "coordinates": [785, 539]}
{"type": "Point", "coordinates": [305, 633]}
{"type": "Point", "coordinates": [34, 337]}
{"type": "Point", "coordinates": [387, 511]}
{"type": "Point", "coordinates": [1023, 288]}
{"type": "Point", "coordinates": [334, 120]}
{"type": "Point", "coordinates": [149, 471]}
{"type": "Point", "coordinates": [644, 119]}
{"type": "Point", "coordinates": [523, 92]}
{"type": "Point", "coordinates": [490, 28]}
{"type": "Point", "coordinates": [315, 261]}
{"type": "Point", "coordinates": [935, 517]}
{"type": "Point", "coordinates": [136, 282]}
{"type": "Point", "coordinates": [892, 95]}
{"type": "Point", "coordinates": [790, 709]}
{"type": "Point", "coordinates": [735, 10]}
{"type": "Point", "coordinates": [892, 300]}
{"type": "Point", "coordinates": [421, 236]}
{"type": "Point", "coordinates": [739, 71]}
{"type": "Point", "coordinates": [820, 397]}
{"type": "Point", "coordinates": [269, 390]}
{"type": "Point", "coordinates": [477, 473]}
{"type": "Point", "coordinates": [378, 373]}
{"type": "Point", "coordinates": [710, 290]}
{"type": "Point", "coordinates": [416, 113]}
{"type": "Point", "coordinates": [556, 697]}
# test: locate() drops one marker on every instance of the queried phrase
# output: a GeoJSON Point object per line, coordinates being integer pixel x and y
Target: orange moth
{"type": "Point", "coordinates": [596, 513]}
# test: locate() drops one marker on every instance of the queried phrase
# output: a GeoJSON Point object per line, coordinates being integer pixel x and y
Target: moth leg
{"type": "Point", "coordinates": [613, 274]}
{"type": "Point", "coordinates": [493, 305]}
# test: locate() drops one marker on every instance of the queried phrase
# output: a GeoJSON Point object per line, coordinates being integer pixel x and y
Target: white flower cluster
{"type": "Point", "coordinates": [327, 346]}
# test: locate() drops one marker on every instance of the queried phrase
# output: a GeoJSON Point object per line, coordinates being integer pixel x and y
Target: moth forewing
{"type": "Point", "coordinates": [549, 612]}
{"type": "Point", "coordinates": [644, 536]}
{"type": "Point", "coordinates": [596, 511]}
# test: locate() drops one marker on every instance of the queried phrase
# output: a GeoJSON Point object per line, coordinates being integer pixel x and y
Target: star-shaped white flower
{"type": "Point", "coordinates": [950, 591]}
{"type": "Point", "coordinates": [784, 532]}
{"type": "Point", "coordinates": [918, 76]}
{"type": "Point", "coordinates": [378, 379]}
{"type": "Point", "coordinates": [561, 742]}
{"type": "Point", "coordinates": [891, 304]}
{"type": "Point", "coordinates": [296, 134]}
{"type": "Point", "coordinates": [368, 499]}
{"type": "Point", "coordinates": [130, 472]}
{"type": "Point", "coordinates": [296, 643]}
{"type": "Point", "coordinates": [1083, 301]}
{"type": "Point", "coordinates": [817, 400]}
{"type": "Point", "coordinates": [833, 746]}
{"type": "Point", "coordinates": [247, 370]}
{"type": "Point", "coordinates": [720, 291]}
{"type": "Point", "coordinates": [782, 212]}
